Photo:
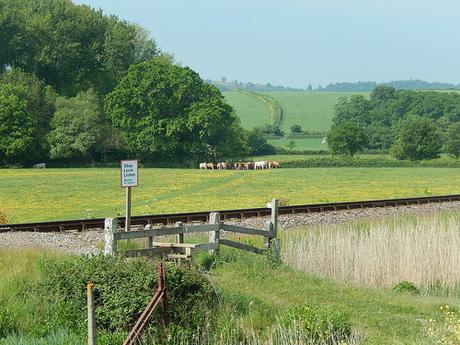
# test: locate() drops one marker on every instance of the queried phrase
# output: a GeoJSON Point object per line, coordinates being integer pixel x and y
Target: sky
{"type": "Point", "coordinates": [298, 42]}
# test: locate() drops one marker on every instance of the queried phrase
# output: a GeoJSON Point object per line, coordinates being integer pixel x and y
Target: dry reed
{"type": "Point", "coordinates": [423, 250]}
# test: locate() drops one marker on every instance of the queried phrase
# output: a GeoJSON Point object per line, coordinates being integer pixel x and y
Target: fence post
{"type": "Point", "coordinates": [274, 216]}
{"type": "Point", "coordinates": [214, 236]}
{"type": "Point", "coordinates": [268, 228]}
{"type": "Point", "coordinates": [91, 318]}
{"type": "Point", "coordinates": [110, 227]}
{"type": "Point", "coordinates": [179, 237]}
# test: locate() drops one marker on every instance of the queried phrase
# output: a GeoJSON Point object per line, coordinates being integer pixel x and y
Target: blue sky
{"type": "Point", "coordinates": [294, 42]}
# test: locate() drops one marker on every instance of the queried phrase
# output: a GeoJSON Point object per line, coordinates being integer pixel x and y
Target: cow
{"type": "Point", "coordinates": [39, 166]}
{"type": "Point", "coordinates": [238, 166]}
{"type": "Point", "coordinates": [248, 165]}
{"type": "Point", "coordinates": [273, 164]}
{"type": "Point", "coordinates": [221, 166]}
{"type": "Point", "coordinates": [261, 165]}
{"type": "Point", "coordinates": [210, 166]}
{"type": "Point", "coordinates": [202, 165]}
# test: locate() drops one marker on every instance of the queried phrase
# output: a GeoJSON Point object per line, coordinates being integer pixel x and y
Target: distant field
{"type": "Point", "coordinates": [301, 144]}
{"type": "Point", "coordinates": [312, 110]}
{"type": "Point", "coordinates": [38, 195]}
{"type": "Point", "coordinates": [252, 111]}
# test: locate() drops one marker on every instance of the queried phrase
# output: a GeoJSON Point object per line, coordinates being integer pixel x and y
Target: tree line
{"type": "Point", "coordinates": [79, 86]}
{"type": "Point", "coordinates": [368, 86]}
{"type": "Point", "coordinates": [409, 124]}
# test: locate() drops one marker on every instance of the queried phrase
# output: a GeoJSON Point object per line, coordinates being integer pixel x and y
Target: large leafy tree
{"type": "Point", "coordinates": [77, 128]}
{"type": "Point", "coordinates": [26, 107]}
{"type": "Point", "coordinates": [71, 47]}
{"type": "Point", "coordinates": [453, 140]}
{"type": "Point", "coordinates": [347, 138]}
{"type": "Point", "coordinates": [161, 109]}
{"type": "Point", "coordinates": [418, 138]}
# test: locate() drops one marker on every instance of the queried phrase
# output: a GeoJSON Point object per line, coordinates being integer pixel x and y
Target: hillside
{"type": "Point", "coordinates": [312, 110]}
{"type": "Point", "coordinates": [252, 111]}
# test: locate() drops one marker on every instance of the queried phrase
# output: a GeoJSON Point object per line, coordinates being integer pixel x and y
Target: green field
{"type": "Point", "coordinates": [252, 111]}
{"type": "Point", "coordinates": [312, 110]}
{"type": "Point", "coordinates": [51, 194]}
{"type": "Point", "coordinates": [313, 144]}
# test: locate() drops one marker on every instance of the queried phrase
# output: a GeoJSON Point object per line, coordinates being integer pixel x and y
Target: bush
{"type": "Point", "coordinates": [406, 287]}
{"type": "Point", "coordinates": [124, 289]}
{"type": "Point", "coordinates": [377, 162]}
{"type": "Point", "coordinates": [318, 323]}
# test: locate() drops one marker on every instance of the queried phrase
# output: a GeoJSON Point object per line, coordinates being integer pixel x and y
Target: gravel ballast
{"type": "Point", "coordinates": [91, 242]}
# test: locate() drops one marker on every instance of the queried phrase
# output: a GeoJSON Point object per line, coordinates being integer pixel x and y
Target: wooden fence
{"type": "Point", "coordinates": [179, 249]}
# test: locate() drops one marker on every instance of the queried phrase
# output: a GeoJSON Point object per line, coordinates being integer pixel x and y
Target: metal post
{"type": "Point", "coordinates": [214, 236]}
{"type": "Point", "coordinates": [128, 209]}
{"type": "Point", "coordinates": [91, 317]}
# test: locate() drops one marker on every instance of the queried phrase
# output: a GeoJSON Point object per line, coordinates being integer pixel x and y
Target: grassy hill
{"type": "Point", "coordinates": [252, 111]}
{"type": "Point", "coordinates": [312, 110]}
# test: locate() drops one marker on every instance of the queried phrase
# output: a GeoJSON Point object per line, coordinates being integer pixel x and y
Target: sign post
{"type": "Point", "coordinates": [128, 177]}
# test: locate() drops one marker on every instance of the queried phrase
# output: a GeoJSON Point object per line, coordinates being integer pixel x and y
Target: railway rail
{"type": "Point", "coordinates": [87, 224]}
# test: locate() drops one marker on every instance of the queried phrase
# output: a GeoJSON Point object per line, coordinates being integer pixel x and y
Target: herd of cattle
{"type": "Point", "coordinates": [241, 165]}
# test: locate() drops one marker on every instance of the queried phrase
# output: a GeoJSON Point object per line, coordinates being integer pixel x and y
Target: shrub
{"type": "Point", "coordinates": [317, 322]}
{"type": "Point", "coordinates": [406, 287]}
{"type": "Point", "coordinates": [124, 289]}
{"type": "Point", "coordinates": [204, 260]}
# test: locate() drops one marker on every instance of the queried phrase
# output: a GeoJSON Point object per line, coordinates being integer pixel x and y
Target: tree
{"type": "Point", "coordinates": [258, 144]}
{"type": "Point", "coordinates": [417, 139]}
{"type": "Point", "coordinates": [291, 145]}
{"type": "Point", "coordinates": [346, 138]}
{"type": "Point", "coordinates": [453, 140]}
{"type": "Point", "coordinates": [296, 129]}
{"type": "Point", "coordinates": [309, 87]}
{"type": "Point", "coordinates": [70, 47]}
{"type": "Point", "coordinates": [161, 109]}
{"type": "Point", "coordinates": [77, 128]}
{"type": "Point", "coordinates": [26, 107]}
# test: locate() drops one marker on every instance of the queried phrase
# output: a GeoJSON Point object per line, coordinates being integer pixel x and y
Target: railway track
{"type": "Point", "coordinates": [86, 224]}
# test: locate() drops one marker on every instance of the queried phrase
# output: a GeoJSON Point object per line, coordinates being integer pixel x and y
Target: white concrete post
{"type": "Point", "coordinates": [214, 236]}
{"type": "Point", "coordinates": [110, 227]}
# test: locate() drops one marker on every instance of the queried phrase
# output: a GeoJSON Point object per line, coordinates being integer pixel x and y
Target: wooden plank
{"type": "Point", "coordinates": [242, 246]}
{"type": "Point", "coordinates": [174, 245]}
{"type": "Point", "coordinates": [184, 229]}
{"type": "Point", "coordinates": [149, 252]}
{"type": "Point", "coordinates": [207, 246]}
{"type": "Point", "coordinates": [248, 231]}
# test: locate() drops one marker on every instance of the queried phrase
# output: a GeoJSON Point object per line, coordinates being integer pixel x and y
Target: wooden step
{"type": "Point", "coordinates": [178, 256]}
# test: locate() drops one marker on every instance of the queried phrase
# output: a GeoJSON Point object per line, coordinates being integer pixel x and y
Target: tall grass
{"type": "Point", "coordinates": [423, 250]}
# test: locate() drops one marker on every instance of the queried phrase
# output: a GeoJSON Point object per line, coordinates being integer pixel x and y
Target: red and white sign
{"type": "Point", "coordinates": [128, 173]}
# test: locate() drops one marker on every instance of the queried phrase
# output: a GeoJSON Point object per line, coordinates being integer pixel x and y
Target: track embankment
{"type": "Point", "coordinates": [90, 242]}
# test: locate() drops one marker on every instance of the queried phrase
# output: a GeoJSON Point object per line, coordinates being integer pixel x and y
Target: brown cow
{"type": "Point", "coordinates": [273, 164]}
{"type": "Point", "coordinates": [248, 165]}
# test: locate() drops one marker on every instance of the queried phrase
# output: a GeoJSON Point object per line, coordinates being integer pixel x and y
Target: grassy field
{"type": "Point", "coordinates": [313, 144]}
{"type": "Point", "coordinates": [312, 110]}
{"type": "Point", "coordinates": [38, 195]}
{"type": "Point", "coordinates": [252, 111]}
